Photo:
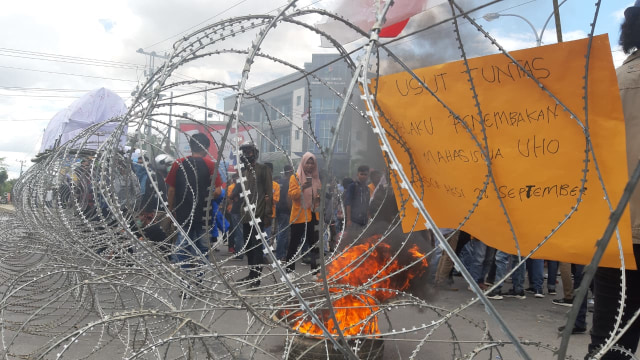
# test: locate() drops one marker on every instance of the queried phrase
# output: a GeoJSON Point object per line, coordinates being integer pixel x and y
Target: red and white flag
{"type": "Point", "coordinates": [362, 13]}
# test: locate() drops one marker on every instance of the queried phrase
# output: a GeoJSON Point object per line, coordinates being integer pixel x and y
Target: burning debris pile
{"type": "Point", "coordinates": [362, 278]}
{"type": "Point", "coordinates": [88, 267]}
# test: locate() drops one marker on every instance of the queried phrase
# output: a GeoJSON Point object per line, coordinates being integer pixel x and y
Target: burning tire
{"type": "Point", "coordinates": [309, 348]}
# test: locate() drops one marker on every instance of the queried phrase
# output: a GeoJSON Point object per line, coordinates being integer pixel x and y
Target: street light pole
{"type": "Point", "coordinates": [494, 16]}
{"type": "Point", "coordinates": [556, 12]}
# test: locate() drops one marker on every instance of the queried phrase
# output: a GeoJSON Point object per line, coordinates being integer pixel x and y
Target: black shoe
{"type": "Point", "coordinates": [245, 279]}
{"type": "Point", "coordinates": [530, 290]}
{"type": "Point", "coordinates": [254, 285]}
{"type": "Point", "coordinates": [495, 295]}
{"type": "Point", "coordinates": [518, 295]}
{"type": "Point", "coordinates": [575, 330]}
{"type": "Point", "coordinates": [563, 302]}
{"type": "Point", "coordinates": [551, 291]}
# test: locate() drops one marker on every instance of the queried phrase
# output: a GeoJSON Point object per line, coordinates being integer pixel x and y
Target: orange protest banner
{"type": "Point", "coordinates": [536, 149]}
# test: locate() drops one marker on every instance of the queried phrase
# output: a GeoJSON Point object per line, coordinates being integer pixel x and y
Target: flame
{"type": "Point", "coordinates": [370, 264]}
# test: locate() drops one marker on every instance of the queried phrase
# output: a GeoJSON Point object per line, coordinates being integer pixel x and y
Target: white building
{"type": "Point", "coordinates": [296, 114]}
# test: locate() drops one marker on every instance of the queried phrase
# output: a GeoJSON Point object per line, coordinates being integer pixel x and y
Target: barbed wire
{"type": "Point", "coordinates": [88, 266]}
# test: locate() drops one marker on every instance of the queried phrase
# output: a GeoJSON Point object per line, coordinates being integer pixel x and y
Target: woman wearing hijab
{"type": "Point", "coordinates": [304, 192]}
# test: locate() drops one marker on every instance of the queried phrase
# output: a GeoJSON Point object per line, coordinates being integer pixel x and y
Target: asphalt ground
{"type": "Point", "coordinates": [35, 323]}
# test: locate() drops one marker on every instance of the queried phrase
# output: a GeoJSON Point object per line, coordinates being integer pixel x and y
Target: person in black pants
{"type": "Point", "coordinates": [304, 192]}
{"type": "Point", "coordinates": [260, 186]}
{"type": "Point", "coordinates": [607, 282]}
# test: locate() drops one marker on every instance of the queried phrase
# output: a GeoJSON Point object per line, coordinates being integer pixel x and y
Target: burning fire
{"type": "Point", "coordinates": [370, 263]}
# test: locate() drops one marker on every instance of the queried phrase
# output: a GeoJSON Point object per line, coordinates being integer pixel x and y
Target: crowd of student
{"type": "Point", "coordinates": [296, 208]}
{"type": "Point", "coordinates": [488, 266]}
{"type": "Point", "coordinates": [287, 211]}
{"type": "Point", "coordinates": [288, 208]}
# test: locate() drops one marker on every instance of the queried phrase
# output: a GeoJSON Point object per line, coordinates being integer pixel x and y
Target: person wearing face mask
{"type": "Point", "coordinates": [304, 192]}
{"type": "Point", "coordinates": [163, 164]}
{"type": "Point", "coordinates": [257, 180]}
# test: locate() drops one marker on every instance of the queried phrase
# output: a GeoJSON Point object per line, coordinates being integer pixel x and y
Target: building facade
{"type": "Point", "coordinates": [298, 113]}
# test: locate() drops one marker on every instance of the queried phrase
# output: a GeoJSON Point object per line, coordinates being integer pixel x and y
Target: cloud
{"type": "Point", "coordinates": [523, 40]}
{"type": "Point", "coordinates": [22, 142]}
{"type": "Point", "coordinates": [618, 56]}
{"type": "Point", "coordinates": [114, 30]}
{"type": "Point", "coordinates": [14, 161]}
{"type": "Point", "coordinates": [107, 24]}
{"type": "Point", "coordinates": [21, 135]}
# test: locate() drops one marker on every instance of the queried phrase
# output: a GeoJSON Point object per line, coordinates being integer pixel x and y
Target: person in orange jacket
{"type": "Point", "coordinates": [304, 192]}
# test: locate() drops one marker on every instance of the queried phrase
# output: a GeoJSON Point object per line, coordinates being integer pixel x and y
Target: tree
{"type": "Point", "coordinates": [7, 187]}
{"type": "Point", "coordinates": [3, 166]}
{"type": "Point", "coordinates": [3, 177]}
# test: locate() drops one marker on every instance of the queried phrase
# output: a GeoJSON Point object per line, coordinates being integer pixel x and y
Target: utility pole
{"type": "Point", "coordinates": [148, 73]}
{"type": "Point", "coordinates": [152, 60]}
{"type": "Point", "coordinates": [152, 57]}
{"type": "Point", "coordinates": [21, 165]}
{"type": "Point", "coordinates": [168, 145]}
{"type": "Point", "coordinates": [205, 108]}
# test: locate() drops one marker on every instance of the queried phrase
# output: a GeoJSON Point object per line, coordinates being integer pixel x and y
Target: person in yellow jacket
{"type": "Point", "coordinates": [304, 192]}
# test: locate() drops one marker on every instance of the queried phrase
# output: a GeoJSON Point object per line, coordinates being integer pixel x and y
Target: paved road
{"type": "Point", "coordinates": [7, 207]}
{"type": "Point", "coordinates": [533, 320]}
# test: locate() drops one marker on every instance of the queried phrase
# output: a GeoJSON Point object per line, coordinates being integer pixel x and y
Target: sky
{"type": "Point", "coordinates": [55, 51]}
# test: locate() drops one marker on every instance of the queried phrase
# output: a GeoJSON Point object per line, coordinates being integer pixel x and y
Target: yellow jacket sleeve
{"type": "Point", "coordinates": [276, 197]}
{"type": "Point", "coordinates": [298, 214]}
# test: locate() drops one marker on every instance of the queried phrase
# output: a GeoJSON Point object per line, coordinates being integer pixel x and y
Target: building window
{"type": "Point", "coordinates": [298, 100]}
{"type": "Point", "coordinates": [297, 134]}
{"type": "Point", "coordinates": [323, 125]}
{"type": "Point", "coordinates": [327, 105]}
{"type": "Point", "coordinates": [316, 104]}
{"type": "Point", "coordinates": [285, 142]}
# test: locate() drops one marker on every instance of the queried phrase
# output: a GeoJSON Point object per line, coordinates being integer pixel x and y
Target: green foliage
{"type": "Point", "coordinates": [7, 186]}
{"type": "Point", "coordinates": [3, 176]}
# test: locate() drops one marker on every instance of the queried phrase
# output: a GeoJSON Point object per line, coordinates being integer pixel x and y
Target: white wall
{"type": "Point", "coordinates": [297, 112]}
